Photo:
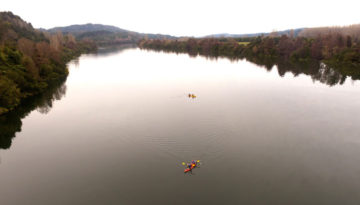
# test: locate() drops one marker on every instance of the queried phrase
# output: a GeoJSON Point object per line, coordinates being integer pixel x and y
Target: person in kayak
{"type": "Point", "coordinates": [190, 167]}
{"type": "Point", "coordinates": [194, 163]}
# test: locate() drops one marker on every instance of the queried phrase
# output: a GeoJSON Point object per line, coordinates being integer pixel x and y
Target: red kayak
{"type": "Point", "coordinates": [189, 169]}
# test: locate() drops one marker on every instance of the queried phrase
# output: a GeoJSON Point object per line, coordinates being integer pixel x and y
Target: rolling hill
{"type": "Point", "coordinates": [105, 34]}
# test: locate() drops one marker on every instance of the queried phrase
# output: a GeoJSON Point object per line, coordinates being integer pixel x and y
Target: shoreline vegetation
{"type": "Point", "coordinates": [11, 122]}
{"type": "Point", "coordinates": [31, 60]}
{"type": "Point", "coordinates": [329, 55]}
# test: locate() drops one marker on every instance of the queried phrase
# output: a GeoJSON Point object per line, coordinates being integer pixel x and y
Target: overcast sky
{"type": "Point", "coordinates": [188, 17]}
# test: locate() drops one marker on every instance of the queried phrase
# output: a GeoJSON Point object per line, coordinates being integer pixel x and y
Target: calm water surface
{"type": "Point", "coordinates": [117, 131]}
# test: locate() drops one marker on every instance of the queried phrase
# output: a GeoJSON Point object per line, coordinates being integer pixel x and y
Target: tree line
{"type": "Point", "coordinates": [337, 50]}
{"type": "Point", "coordinates": [31, 60]}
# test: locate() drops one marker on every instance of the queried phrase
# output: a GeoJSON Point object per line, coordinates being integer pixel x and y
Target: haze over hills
{"type": "Point", "coordinates": [106, 34]}
{"type": "Point", "coordinates": [91, 30]}
{"type": "Point", "coordinates": [294, 32]}
{"type": "Point", "coordinates": [80, 28]}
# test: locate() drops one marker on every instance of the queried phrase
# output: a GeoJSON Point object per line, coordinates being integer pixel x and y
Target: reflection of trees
{"type": "Point", "coordinates": [10, 123]}
{"type": "Point", "coordinates": [111, 50]}
{"type": "Point", "coordinates": [47, 103]}
{"type": "Point", "coordinates": [317, 70]}
{"type": "Point", "coordinates": [328, 73]}
{"type": "Point", "coordinates": [329, 76]}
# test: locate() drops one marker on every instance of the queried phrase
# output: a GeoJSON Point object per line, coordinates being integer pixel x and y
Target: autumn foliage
{"type": "Point", "coordinates": [30, 60]}
{"type": "Point", "coordinates": [340, 50]}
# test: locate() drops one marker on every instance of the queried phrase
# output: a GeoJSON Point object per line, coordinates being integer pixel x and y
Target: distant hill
{"type": "Point", "coordinates": [227, 35]}
{"type": "Point", "coordinates": [12, 28]}
{"type": "Point", "coordinates": [106, 35]}
{"type": "Point", "coordinates": [82, 28]}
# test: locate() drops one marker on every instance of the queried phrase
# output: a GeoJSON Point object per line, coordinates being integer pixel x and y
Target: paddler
{"type": "Point", "coordinates": [190, 167]}
{"type": "Point", "coordinates": [194, 163]}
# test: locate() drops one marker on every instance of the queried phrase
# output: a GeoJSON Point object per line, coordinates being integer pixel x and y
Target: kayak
{"type": "Point", "coordinates": [189, 169]}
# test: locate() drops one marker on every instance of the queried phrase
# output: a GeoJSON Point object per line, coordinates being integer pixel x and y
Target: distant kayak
{"type": "Point", "coordinates": [190, 95]}
{"type": "Point", "coordinates": [194, 164]}
{"type": "Point", "coordinates": [189, 169]}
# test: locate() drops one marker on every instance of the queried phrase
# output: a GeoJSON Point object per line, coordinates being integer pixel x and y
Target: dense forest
{"type": "Point", "coordinates": [337, 48]}
{"type": "Point", "coordinates": [32, 60]}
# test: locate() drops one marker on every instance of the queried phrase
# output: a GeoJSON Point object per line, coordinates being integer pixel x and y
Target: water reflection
{"type": "Point", "coordinates": [319, 71]}
{"type": "Point", "coordinates": [111, 50]}
{"type": "Point", "coordinates": [127, 123]}
{"type": "Point", "coordinates": [10, 123]}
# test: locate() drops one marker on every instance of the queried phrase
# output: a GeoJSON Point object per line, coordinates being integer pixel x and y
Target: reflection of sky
{"type": "Point", "coordinates": [177, 68]}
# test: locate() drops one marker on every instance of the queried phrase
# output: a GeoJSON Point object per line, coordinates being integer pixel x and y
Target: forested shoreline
{"type": "Point", "coordinates": [338, 50]}
{"type": "Point", "coordinates": [32, 60]}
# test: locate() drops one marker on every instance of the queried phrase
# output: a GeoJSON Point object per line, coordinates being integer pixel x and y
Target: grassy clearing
{"type": "Point", "coordinates": [243, 43]}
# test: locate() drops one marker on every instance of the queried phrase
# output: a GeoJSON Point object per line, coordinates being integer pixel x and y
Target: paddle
{"type": "Point", "coordinates": [183, 163]}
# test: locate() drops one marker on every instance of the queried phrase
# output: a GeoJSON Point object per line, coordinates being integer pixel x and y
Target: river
{"type": "Point", "coordinates": [119, 128]}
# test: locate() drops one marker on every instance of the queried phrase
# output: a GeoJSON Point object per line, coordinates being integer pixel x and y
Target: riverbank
{"type": "Point", "coordinates": [32, 60]}
{"type": "Point", "coordinates": [340, 53]}
{"type": "Point", "coordinates": [12, 95]}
